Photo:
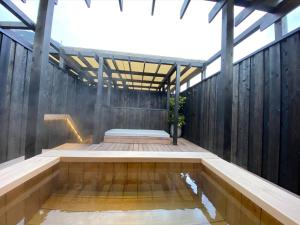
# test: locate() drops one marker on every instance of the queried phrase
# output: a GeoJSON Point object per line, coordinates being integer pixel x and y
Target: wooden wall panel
{"type": "Point", "coordinates": [6, 67]}
{"type": "Point", "coordinates": [265, 134]}
{"type": "Point", "coordinates": [273, 108]}
{"type": "Point", "coordinates": [256, 114]}
{"type": "Point", "coordinates": [243, 114]}
{"type": "Point", "coordinates": [289, 173]}
{"type": "Point", "coordinates": [16, 102]}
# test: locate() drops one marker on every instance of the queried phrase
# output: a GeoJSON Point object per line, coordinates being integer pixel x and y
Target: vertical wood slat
{"type": "Point", "coordinates": [25, 102]}
{"type": "Point", "coordinates": [289, 172]}
{"type": "Point", "coordinates": [235, 115]}
{"type": "Point", "coordinates": [256, 114]}
{"type": "Point", "coordinates": [16, 103]}
{"type": "Point", "coordinates": [243, 122]}
{"type": "Point", "coordinates": [272, 123]}
{"type": "Point", "coordinates": [6, 69]}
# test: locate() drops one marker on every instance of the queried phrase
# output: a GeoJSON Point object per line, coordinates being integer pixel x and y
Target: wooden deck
{"type": "Point", "coordinates": [183, 146]}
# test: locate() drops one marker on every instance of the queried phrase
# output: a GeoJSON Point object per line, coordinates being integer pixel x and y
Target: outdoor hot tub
{"type": "Point", "coordinates": [75, 187]}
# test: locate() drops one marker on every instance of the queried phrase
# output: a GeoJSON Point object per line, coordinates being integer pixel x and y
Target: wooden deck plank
{"type": "Point", "coordinates": [183, 146]}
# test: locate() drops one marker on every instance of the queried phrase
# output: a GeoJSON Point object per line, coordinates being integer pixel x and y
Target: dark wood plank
{"type": "Point", "coordinates": [256, 114]}
{"type": "Point", "coordinates": [272, 140]}
{"type": "Point", "coordinates": [40, 60]}
{"type": "Point", "coordinates": [290, 136]}
{"type": "Point", "coordinates": [235, 111]}
{"type": "Point", "coordinates": [226, 71]}
{"type": "Point", "coordinates": [16, 103]}
{"type": "Point", "coordinates": [6, 70]}
{"type": "Point", "coordinates": [243, 115]}
{"type": "Point", "coordinates": [25, 102]}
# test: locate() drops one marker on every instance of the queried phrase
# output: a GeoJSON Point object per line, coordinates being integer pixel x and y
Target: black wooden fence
{"type": "Point", "coordinates": [265, 132]}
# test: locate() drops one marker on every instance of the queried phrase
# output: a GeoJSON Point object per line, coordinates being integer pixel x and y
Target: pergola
{"type": "Point", "coordinates": [129, 71]}
{"type": "Point", "coordinates": [140, 72]}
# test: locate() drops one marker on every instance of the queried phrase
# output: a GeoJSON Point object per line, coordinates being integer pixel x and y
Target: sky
{"type": "Point", "coordinates": [134, 30]}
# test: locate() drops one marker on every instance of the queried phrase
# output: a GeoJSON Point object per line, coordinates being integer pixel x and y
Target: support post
{"type": "Point", "coordinates": [38, 73]}
{"type": "Point", "coordinates": [61, 61]}
{"type": "Point", "coordinates": [226, 78]}
{"type": "Point", "coordinates": [98, 106]}
{"type": "Point", "coordinates": [280, 28]}
{"type": "Point", "coordinates": [176, 108]}
{"type": "Point", "coordinates": [188, 84]}
{"type": "Point", "coordinates": [203, 73]}
{"type": "Point", "coordinates": [168, 95]}
{"type": "Point", "coordinates": [108, 91]}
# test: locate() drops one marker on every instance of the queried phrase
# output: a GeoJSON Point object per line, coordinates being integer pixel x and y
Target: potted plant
{"type": "Point", "coordinates": [181, 117]}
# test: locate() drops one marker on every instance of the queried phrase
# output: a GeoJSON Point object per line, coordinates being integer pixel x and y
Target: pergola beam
{"type": "Point", "coordinates": [127, 72]}
{"type": "Point", "coordinates": [153, 7]}
{"type": "Point", "coordinates": [243, 15]}
{"type": "Point", "coordinates": [109, 72]}
{"type": "Point", "coordinates": [281, 11]}
{"type": "Point", "coordinates": [261, 24]}
{"type": "Point", "coordinates": [13, 25]}
{"type": "Point", "coordinates": [184, 8]}
{"type": "Point", "coordinates": [187, 79]}
{"type": "Point", "coordinates": [169, 74]}
{"type": "Point", "coordinates": [121, 5]}
{"type": "Point", "coordinates": [88, 3]}
{"type": "Point", "coordinates": [135, 80]}
{"type": "Point", "coordinates": [133, 57]}
{"type": "Point", "coordinates": [182, 72]}
{"type": "Point", "coordinates": [215, 10]}
{"type": "Point", "coordinates": [18, 13]}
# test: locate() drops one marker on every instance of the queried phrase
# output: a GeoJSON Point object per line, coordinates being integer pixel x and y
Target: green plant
{"type": "Point", "coordinates": [181, 117]}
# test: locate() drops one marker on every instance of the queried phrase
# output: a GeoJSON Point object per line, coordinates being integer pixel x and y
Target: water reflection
{"type": "Point", "coordinates": [128, 193]}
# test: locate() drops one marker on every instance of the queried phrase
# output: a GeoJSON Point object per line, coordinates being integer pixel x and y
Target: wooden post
{"type": "Point", "coordinates": [176, 108]}
{"type": "Point", "coordinates": [98, 106]}
{"type": "Point", "coordinates": [61, 61]}
{"type": "Point", "coordinates": [203, 73]}
{"type": "Point", "coordinates": [40, 60]}
{"type": "Point", "coordinates": [280, 28]}
{"type": "Point", "coordinates": [108, 92]}
{"type": "Point", "coordinates": [188, 84]}
{"type": "Point", "coordinates": [168, 95]}
{"type": "Point", "coordinates": [226, 76]}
